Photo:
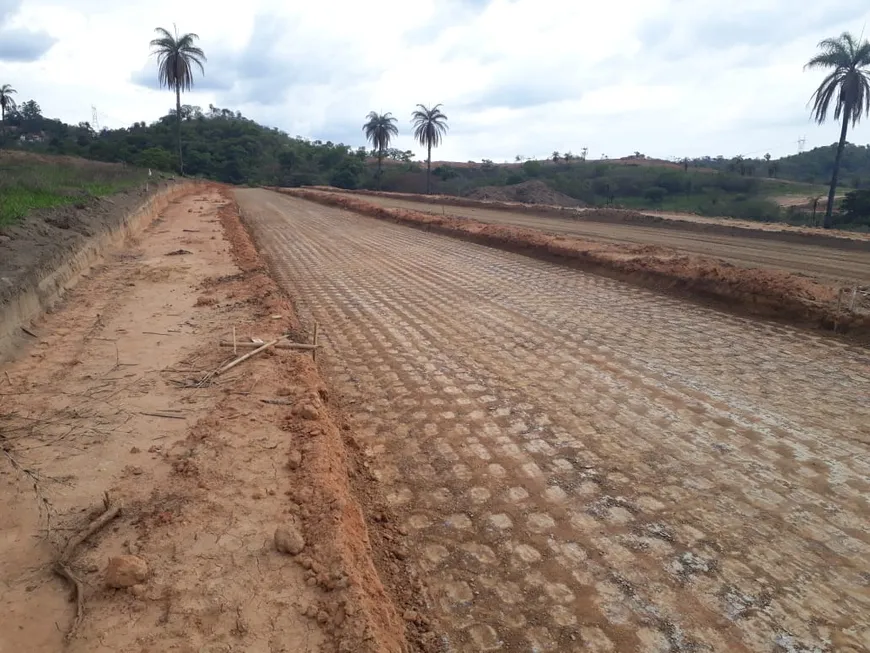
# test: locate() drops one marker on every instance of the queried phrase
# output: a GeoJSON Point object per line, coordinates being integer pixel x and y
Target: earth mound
{"type": "Point", "coordinates": [528, 192]}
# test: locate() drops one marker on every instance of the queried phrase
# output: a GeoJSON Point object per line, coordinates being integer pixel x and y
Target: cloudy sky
{"type": "Point", "coordinates": [669, 78]}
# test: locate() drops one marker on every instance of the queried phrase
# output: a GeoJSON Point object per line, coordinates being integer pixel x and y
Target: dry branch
{"type": "Point", "coordinates": [280, 345]}
{"type": "Point", "coordinates": [251, 354]}
{"type": "Point", "coordinates": [61, 566]}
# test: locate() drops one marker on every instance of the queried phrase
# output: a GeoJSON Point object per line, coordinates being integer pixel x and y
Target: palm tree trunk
{"type": "Point", "coordinates": [828, 223]}
{"type": "Point", "coordinates": [380, 167]}
{"type": "Point", "coordinates": [178, 128]}
{"type": "Point", "coordinates": [428, 168]}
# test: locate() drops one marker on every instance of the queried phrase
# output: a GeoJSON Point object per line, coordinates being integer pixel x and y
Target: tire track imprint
{"type": "Point", "coordinates": [583, 465]}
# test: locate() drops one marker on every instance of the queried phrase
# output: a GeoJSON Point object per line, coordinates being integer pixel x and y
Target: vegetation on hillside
{"type": "Point", "coordinates": [30, 182]}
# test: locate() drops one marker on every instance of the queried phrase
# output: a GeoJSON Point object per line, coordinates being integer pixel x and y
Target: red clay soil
{"type": "Point", "coordinates": [759, 292]}
{"type": "Point", "coordinates": [380, 602]}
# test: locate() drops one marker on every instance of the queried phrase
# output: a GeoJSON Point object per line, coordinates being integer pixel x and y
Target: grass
{"type": "Point", "coordinates": [30, 182]}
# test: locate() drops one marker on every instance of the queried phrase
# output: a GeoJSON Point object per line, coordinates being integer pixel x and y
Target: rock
{"type": "Point", "coordinates": [289, 540]}
{"type": "Point", "coordinates": [137, 590]}
{"type": "Point", "coordinates": [126, 571]}
{"type": "Point", "coordinates": [294, 459]}
{"type": "Point", "coordinates": [135, 450]}
{"type": "Point", "coordinates": [410, 615]}
{"type": "Point", "coordinates": [306, 411]}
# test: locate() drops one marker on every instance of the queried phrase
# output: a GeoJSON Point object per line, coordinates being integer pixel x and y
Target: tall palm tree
{"type": "Point", "coordinates": [6, 101]}
{"type": "Point", "coordinates": [849, 79]}
{"type": "Point", "coordinates": [380, 129]}
{"type": "Point", "coordinates": [430, 125]}
{"type": "Point", "coordinates": [176, 56]}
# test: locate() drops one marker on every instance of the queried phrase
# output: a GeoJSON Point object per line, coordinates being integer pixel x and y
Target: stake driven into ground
{"type": "Point", "coordinates": [583, 465]}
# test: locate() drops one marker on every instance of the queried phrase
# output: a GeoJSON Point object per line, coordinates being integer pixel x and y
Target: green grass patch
{"type": "Point", "coordinates": [28, 183]}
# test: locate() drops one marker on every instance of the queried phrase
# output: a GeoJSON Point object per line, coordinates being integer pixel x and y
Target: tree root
{"type": "Point", "coordinates": [61, 566]}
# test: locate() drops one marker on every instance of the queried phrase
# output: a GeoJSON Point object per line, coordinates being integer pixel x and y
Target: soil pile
{"type": "Point", "coordinates": [528, 192]}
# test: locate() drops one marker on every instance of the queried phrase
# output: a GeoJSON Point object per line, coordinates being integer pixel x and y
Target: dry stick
{"type": "Point", "coordinates": [61, 567]}
{"type": "Point", "coordinates": [314, 350]}
{"type": "Point", "coordinates": [242, 359]}
{"type": "Point", "coordinates": [163, 415]}
{"type": "Point", "coordinates": [156, 333]}
{"type": "Point", "coordinates": [280, 345]}
{"type": "Point", "coordinates": [235, 348]}
{"type": "Point", "coordinates": [29, 332]}
{"type": "Point", "coordinates": [837, 317]}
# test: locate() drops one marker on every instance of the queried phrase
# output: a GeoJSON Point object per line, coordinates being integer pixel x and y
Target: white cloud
{"type": "Point", "coordinates": [666, 77]}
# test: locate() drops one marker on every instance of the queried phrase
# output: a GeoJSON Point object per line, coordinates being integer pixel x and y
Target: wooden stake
{"type": "Point", "coordinates": [837, 317]}
{"type": "Point", "coordinates": [250, 354]}
{"type": "Point", "coordinates": [235, 348]}
{"type": "Point", "coordinates": [314, 349]}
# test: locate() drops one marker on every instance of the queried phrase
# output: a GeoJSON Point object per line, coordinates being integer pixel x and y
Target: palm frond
{"type": "Point", "coordinates": [430, 125]}
{"type": "Point", "coordinates": [176, 57]}
{"type": "Point", "coordinates": [847, 86]}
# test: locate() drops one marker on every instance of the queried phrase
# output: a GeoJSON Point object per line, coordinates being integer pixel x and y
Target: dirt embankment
{"type": "Point", "coordinates": [115, 395]}
{"type": "Point", "coordinates": [845, 240]}
{"type": "Point", "coordinates": [565, 210]}
{"type": "Point", "coordinates": [527, 192]}
{"type": "Point", "coordinates": [760, 292]}
{"type": "Point", "coordinates": [44, 254]}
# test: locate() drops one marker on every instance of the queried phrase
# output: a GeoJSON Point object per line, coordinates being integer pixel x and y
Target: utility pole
{"type": "Point", "coordinates": [95, 120]}
{"type": "Point", "coordinates": [801, 142]}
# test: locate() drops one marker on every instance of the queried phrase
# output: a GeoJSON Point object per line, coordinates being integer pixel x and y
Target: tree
{"type": "Point", "coordinates": [849, 80]}
{"type": "Point", "coordinates": [30, 110]}
{"type": "Point", "coordinates": [379, 130]}
{"type": "Point", "coordinates": [176, 56]}
{"type": "Point", "coordinates": [430, 126]}
{"type": "Point", "coordinates": [6, 101]}
{"type": "Point", "coordinates": [556, 156]}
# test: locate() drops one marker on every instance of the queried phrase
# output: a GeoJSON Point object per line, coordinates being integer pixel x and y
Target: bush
{"type": "Point", "coordinates": [655, 194]}
{"type": "Point", "coordinates": [532, 168]}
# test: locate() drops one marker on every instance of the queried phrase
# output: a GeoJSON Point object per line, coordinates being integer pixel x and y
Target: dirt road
{"type": "Point", "coordinates": [111, 398]}
{"type": "Point", "coordinates": [825, 262]}
{"type": "Point", "coordinates": [583, 465]}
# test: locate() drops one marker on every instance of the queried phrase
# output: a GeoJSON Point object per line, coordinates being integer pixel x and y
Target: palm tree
{"type": "Point", "coordinates": [430, 125]}
{"type": "Point", "coordinates": [380, 129]}
{"type": "Point", "coordinates": [849, 80]}
{"type": "Point", "coordinates": [6, 101]}
{"type": "Point", "coordinates": [176, 56]}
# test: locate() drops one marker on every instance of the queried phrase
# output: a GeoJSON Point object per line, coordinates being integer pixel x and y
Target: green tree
{"type": "Point", "coordinates": [30, 110]}
{"type": "Point", "coordinates": [6, 100]}
{"type": "Point", "coordinates": [379, 130]}
{"type": "Point", "coordinates": [176, 56]}
{"type": "Point", "coordinates": [430, 126]}
{"type": "Point", "coordinates": [556, 156]}
{"type": "Point", "coordinates": [849, 80]}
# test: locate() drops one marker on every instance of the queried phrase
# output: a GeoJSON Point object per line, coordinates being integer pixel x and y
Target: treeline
{"type": "Point", "coordinates": [218, 144]}
{"type": "Point", "coordinates": [811, 167]}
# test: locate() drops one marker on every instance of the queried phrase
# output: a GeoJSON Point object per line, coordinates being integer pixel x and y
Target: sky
{"type": "Point", "coordinates": [668, 78]}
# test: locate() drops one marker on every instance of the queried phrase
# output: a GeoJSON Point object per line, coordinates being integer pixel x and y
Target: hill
{"type": "Point", "coordinates": [218, 144]}
{"type": "Point", "coordinates": [225, 146]}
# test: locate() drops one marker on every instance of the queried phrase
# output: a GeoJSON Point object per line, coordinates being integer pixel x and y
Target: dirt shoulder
{"type": "Point", "coordinates": [759, 292]}
{"type": "Point", "coordinates": [845, 240]}
{"type": "Point", "coordinates": [116, 400]}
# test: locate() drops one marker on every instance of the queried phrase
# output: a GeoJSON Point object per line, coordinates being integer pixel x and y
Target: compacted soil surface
{"type": "Point", "coordinates": [583, 465]}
